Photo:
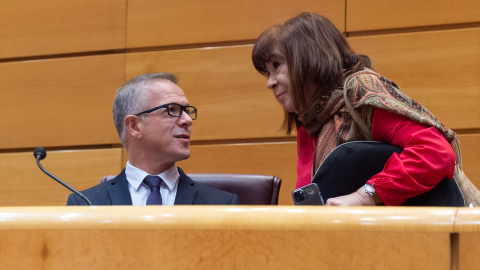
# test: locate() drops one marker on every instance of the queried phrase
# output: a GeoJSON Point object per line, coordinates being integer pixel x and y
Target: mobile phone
{"type": "Point", "coordinates": [308, 195]}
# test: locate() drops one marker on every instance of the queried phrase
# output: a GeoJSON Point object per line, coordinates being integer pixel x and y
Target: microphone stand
{"type": "Point", "coordinates": [61, 182]}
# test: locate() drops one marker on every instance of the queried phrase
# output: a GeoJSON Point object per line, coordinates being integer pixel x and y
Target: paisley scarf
{"type": "Point", "coordinates": [333, 120]}
{"type": "Point", "coordinates": [329, 119]}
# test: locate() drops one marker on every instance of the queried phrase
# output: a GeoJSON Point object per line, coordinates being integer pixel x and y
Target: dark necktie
{"type": "Point", "coordinates": [153, 182]}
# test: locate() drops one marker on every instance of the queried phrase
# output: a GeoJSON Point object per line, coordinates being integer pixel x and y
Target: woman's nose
{"type": "Point", "coordinates": [272, 82]}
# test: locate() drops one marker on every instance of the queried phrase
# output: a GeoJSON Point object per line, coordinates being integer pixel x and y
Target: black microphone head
{"type": "Point", "coordinates": [40, 153]}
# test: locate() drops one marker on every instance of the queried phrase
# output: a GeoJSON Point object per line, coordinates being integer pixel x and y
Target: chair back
{"type": "Point", "coordinates": [251, 189]}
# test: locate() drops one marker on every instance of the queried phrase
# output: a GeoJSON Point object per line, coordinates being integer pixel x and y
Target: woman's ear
{"type": "Point", "coordinates": [133, 126]}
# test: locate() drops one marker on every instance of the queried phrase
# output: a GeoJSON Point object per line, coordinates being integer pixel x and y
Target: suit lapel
{"type": "Point", "coordinates": [186, 190]}
{"type": "Point", "coordinates": [118, 190]}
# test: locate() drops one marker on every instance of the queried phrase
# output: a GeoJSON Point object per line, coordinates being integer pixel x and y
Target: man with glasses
{"type": "Point", "coordinates": [154, 120]}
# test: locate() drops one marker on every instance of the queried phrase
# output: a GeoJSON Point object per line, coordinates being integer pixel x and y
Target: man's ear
{"type": "Point", "coordinates": [132, 126]}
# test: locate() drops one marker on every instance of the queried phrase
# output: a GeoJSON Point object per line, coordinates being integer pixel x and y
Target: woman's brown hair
{"type": "Point", "coordinates": [317, 55]}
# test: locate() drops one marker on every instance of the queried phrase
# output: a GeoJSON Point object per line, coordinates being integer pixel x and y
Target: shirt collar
{"type": "Point", "coordinates": [135, 176]}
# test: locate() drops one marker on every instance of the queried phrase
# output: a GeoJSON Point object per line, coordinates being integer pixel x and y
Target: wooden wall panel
{"type": "Point", "coordinates": [467, 226]}
{"type": "Point", "coordinates": [66, 102]}
{"type": "Point", "coordinates": [24, 184]}
{"type": "Point", "coordinates": [439, 69]}
{"type": "Point", "coordinates": [470, 145]}
{"type": "Point", "coordinates": [468, 249]}
{"type": "Point", "coordinates": [161, 23]}
{"type": "Point", "coordinates": [386, 14]}
{"type": "Point", "coordinates": [231, 96]}
{"type": "Point", "coordinates": [223, 249]}
{"type": "Point", "coordinates": [277, 159]}
{"type": "Point", "coordinates": [59, 102]}
{"type": "Point", "coordinates": [466, 252]}
{"type": "Point", "coordinates": [31, 27]}
{"type": "Point", "coordinates": [224, 237]}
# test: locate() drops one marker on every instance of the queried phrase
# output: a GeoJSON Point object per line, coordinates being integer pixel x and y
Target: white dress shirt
{"type": "Point", "coordinates": [140, 191]}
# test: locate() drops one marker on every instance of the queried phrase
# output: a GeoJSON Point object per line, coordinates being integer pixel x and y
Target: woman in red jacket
{"type": "Point", "coordinates": [331, 96]}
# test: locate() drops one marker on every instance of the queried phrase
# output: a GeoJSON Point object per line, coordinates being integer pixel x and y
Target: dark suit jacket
{"type": "Point", "coordinates": [115, 192]}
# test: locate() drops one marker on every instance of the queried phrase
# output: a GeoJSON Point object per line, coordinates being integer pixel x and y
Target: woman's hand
{"type": "Point", "coordinates": [357, 198]}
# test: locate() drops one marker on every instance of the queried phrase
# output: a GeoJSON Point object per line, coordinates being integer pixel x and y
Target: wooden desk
{"type": "Point", "coordinates": [224, 237]}
{"type": "Point", "coordinates": [467, 229]}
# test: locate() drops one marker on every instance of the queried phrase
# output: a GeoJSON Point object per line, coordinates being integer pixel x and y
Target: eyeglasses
{"type": "Point", "coordinates": [174, 110]}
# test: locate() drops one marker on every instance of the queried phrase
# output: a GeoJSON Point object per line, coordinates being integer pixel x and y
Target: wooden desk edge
{"type": "Point", "coordinates": [391, 219]}
{"type": "Point", "coordinates": [467, 219]}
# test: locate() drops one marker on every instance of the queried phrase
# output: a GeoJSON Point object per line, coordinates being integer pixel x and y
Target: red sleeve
{"type": "Point", "coordinates": [305, 153]}
{"type": "Point", "coordinates": [426, 159]}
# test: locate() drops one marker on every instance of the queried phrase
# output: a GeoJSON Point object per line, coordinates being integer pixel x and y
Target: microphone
{"type": "Point", "coordinates": [40, 154]}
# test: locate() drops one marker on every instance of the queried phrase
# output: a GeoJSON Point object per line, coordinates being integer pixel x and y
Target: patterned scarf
{"type": "Point", "coordinates": [329, 120]}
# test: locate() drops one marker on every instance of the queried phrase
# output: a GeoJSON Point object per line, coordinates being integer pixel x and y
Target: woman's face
{"type": "Point", "coordinates": [279, 82]}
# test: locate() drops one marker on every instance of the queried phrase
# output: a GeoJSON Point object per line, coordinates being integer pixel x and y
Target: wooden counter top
{"type": "Point", "coordinates": [227, 217]}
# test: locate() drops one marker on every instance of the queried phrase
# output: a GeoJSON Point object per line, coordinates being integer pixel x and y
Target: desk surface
{"type": "Point", "coordinates": [239, 237]}
{"type": "Point", "coordinates": [415, 219]}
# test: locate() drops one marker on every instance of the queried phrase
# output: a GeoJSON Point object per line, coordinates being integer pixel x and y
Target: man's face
{"type": "Point", "coordinates": [163, 136]}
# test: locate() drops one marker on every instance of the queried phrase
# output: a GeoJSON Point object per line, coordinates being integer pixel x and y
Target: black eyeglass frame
{"type": "Point", "coordinates": [166, 106]}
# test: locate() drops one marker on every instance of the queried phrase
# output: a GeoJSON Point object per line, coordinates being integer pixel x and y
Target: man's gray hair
{"type": "Point", "coordinates": [131, 99]}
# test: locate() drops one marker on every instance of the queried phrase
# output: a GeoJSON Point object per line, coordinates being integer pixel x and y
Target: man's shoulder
{"type": "Point", "coordinates": [207, 194]}
{"type": "Point", "coordinates": [206, 188]}
{"type": "Point", "coordinates": [215, 195]}
{"type": "Point", "coordinates": [106, 183]}
{"type": "Point", "coordinates": [98, 194]}
{"type": "Point", "coordinates": [200, 186]}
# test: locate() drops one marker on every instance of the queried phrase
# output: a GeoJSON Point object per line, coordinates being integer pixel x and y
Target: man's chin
{"type": "Point", "coordinates": [183, 156]}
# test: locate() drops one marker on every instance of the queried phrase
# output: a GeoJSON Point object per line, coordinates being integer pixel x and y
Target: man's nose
{"type": "Point", "coordinates": [185, 119]}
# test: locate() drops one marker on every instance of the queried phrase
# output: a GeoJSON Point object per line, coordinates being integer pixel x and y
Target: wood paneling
{"type": "Point", "coordinates": [161, 23]}
{"type": "Point", "coordinates": [221, 237]}
{"type": "Point", "coordinates": [24, 184]}
{"type": "Point", "coordinates": [231, 96]}
{"type": "Point", "coordinates": [222, 249]}
{"type": "Point", "coordinates": [277, 159]}
{"type": "Point", "coordinates": [384, 14]}
{"type": "Point", "coordinates": [469, 252]}
{"type": "Point", "coordinates": [470, 146]}
{"type": "Point", "coordinates": [439, 69]}
{"type": "Point", "coordinates": [67, 102]}
{"type": "Point", "coordinates": [467, 226]}
{"type": "Point", "coordinates": [59, 102]}
{"type": "Point", "coordinates": [31, 27]}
